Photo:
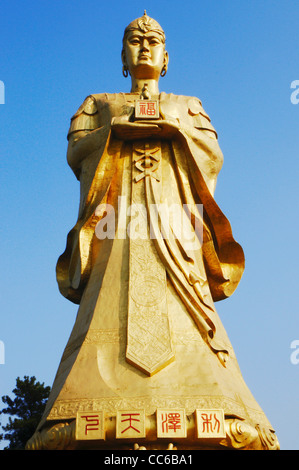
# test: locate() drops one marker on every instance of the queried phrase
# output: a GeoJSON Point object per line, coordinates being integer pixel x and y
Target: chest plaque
{"type": "Point", "coordinates": [147, 109]}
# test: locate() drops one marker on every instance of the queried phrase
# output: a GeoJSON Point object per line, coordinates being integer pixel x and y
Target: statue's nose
{"type": "Point", "coordinates": [145, 45]}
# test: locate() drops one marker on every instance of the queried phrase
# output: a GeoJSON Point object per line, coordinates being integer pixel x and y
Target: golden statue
{"type": "Point", "coordinates": [148, 363]}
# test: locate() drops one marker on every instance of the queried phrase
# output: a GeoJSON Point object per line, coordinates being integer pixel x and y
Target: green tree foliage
{"type": "Point", "coordinates": [27, 408]}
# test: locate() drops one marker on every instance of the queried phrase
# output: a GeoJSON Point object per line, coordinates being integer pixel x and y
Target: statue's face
{"type": "Point", "coordinates": [144, 54]}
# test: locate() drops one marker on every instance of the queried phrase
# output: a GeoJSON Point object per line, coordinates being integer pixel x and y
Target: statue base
{"type": "Point", "coordinates": [238, 435]}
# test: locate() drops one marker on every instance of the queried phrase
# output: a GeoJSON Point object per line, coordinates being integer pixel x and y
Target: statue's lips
{"type": "Point", "coordinates": [144, 57]}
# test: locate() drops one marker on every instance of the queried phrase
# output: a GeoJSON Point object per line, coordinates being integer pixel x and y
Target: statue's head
{"type": "Point", "coordinates": [143, 53]}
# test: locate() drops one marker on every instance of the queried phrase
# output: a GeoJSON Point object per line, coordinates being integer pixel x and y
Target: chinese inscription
{"type": "Point", "coordinates": [171, 423]}
{"type": "Point", "coordinates": [146, 109]}
{"type": "Point", "coordinates": [90, 425]}
{"type": "Point", "coordinates": [210, 424]}
{"type": "Point", "coordinates": [130, 424]}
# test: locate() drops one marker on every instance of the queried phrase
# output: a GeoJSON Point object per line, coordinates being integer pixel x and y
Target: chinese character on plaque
{"type": "Point", "coordinates": [130, 424]}
{"type": "Point", "coordinates": [90, 425]}
{"type": "Point", "coordinates": [171, 423]}
{"type": "Point", "coordinates": [147, 109]}
{"type": "Point", "coordinates": [210, 424]}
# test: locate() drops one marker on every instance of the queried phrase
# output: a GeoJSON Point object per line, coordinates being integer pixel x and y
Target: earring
{"type": "Point", "coordinates": [163, 71]}
{"type": "Point", "coordinates": [125, 71]}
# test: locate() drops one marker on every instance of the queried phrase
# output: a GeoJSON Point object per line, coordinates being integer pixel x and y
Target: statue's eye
{"type": "Point", "coordinates": [134, 41]}
{"type": "Point", "coordinates": [154, 42]}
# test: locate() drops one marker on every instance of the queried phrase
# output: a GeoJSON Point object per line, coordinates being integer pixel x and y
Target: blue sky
{"type": "Point", "coordinates": [240, 58]}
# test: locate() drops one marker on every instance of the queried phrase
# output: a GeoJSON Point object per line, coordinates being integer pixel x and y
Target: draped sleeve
{"type": "Point", "coordinates": [223, 255]}
{"type": "Point", "coordinates": [88, 157]}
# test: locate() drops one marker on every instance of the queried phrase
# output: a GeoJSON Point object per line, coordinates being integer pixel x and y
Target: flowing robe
{"type": "Point", "coordinates": [147, 333]}
{"type": "Point", "coordinates": [190, 159]}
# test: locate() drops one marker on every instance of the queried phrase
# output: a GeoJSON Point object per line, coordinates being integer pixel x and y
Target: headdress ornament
{"type": "Point", "coordinates": [145, 24]}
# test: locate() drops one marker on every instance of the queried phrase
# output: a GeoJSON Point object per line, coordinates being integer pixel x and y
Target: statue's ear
{"type": "Point", "coordinates": [165, 64]}
{"type": "Point", "coordinates": [124, 61]}
{"type": "Point", "coordinates": [166, 59]}
{"type": "Point", "coordinates": [123, 57]}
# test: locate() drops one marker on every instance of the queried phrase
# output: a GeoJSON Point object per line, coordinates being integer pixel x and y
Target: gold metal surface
{"type": "Point", "coordinates": [150, 254]}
